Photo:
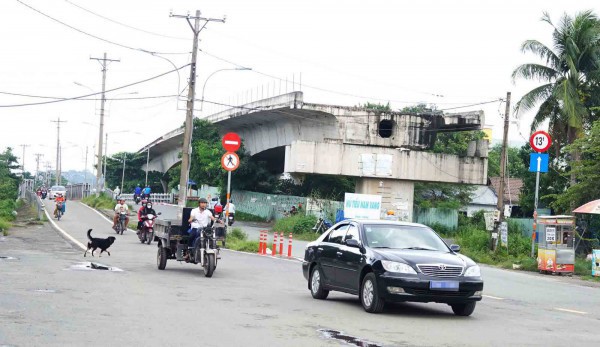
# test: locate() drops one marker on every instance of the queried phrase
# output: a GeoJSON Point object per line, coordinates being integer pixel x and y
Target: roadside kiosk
{"type": "Point", "coordinates": [556, 251]}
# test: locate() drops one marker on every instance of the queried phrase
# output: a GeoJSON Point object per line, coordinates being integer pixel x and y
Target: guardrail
{"type": "Point", "coordinates": [155, 197]}
{"type": "Point", "coordinates": [35, 200]}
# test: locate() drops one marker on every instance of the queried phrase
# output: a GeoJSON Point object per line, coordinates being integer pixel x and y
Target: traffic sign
{"type": "Point", "coordinates": [231, 142]}
{"type": "Point", "coordinates": [538, 162]}
{"type": "Point", "coordinates": [230, 161]}
{"type": "Point", "coordinates": [540, 141]}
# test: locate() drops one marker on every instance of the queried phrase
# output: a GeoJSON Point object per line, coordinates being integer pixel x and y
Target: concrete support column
{"type": "Point", "coordinates": [164, 185]}
{"type": "Point", "coordinates": [396, 195]}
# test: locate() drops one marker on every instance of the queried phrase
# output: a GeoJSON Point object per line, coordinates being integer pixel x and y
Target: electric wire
{"type": "Point", "coordinates": [94, 36]}
{"type": "Point", "coordinates": [123, 24]}
{"type": "Point", "coordinates": [92, 94]}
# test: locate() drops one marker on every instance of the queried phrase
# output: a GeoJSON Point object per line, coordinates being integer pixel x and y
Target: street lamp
{"type": "Point", "coordinates": [209, 76]}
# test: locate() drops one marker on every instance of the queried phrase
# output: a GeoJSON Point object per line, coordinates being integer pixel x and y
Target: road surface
{"type": "Point", "coordinates": [251, 301]}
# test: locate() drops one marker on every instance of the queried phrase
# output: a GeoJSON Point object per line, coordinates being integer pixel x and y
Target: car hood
{"type": "Point", "coordinates": [414, 257]}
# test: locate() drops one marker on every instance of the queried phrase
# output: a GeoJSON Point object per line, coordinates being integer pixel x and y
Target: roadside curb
{"type": "Point", "coordinates": [293, 259]}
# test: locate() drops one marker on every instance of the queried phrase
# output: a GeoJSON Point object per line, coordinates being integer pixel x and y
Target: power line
{"type": "Point", "coordinates": [92, 94]}
{"type": "Point", "coordinates": [88, 99]}
{"type": "Point", "coordinates": [477, 104]}
{"type": "Point", "coordinates": [94, 36]}
{"type": "Point", "coordinates": [330, 90]}
{"type": "Point", "coordinates": [123, 24]}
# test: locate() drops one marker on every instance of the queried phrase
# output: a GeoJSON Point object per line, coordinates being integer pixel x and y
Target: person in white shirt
{"type": "Point", "coordinates": [199, 218]}
{"type": "Point", "coordinates": [117, 192]}
{"type": "Point", "coordinates": [230, 212]}
{"type": "Point", "coordinates": [121, 207]}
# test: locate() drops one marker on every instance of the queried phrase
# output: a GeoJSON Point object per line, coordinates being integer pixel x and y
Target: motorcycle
{"type": "Point", "coordinates": [231, 219]}
{"type": "Point", "coordinates": [321, 226]}
{"type": "Point", "coordinates": [205, 252]}
{"type": "Point", "coordinates": [44, 194]}
{"type": "Point", "coordinates": [220, 229]}
{"type": "Point", "coordinates": [146, 234]}
{"type": "Point", "coordinates": [137, 199]}
{"type": "Point", "coordinates": [59, 210]}
{"type": "Point", "coordinates": [120, 227]}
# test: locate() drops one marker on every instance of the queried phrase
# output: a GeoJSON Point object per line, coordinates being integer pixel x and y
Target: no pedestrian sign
{"type": "Point", "coordinates": [230, 161]}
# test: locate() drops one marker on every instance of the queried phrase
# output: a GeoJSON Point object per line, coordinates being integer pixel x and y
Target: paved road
{"type": "Point", "coordinates": [251, 301]}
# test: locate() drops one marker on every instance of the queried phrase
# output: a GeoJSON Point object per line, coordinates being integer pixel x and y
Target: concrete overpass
{"type": "Point", "coordinates": [385, 150]}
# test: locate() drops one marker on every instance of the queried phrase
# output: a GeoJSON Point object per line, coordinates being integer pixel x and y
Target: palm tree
{"type": "Point", "coordinates": [571, 68]}
{"type": "Point", "coordinates": [571, 74]}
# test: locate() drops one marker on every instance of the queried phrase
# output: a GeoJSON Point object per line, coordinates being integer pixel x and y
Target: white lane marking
{"type": "Point", "coordinates": [103, 216]}
{"type": "Point", "coordinates": [492, 297]}
{"type": "Point", "coordinates": [570, 311]}
{"type": "Point", "coordinates": [65, 234]}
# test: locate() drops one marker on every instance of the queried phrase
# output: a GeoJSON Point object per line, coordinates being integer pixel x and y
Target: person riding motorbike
{"type": "Point", "coordinates": [121, 207]}
{"type": "Point", "coordinates": [137, 192]}
{"type": "Point", "coordinates": [144, 211]}
{"type": "Point", "coordinates": [199, 218]}
{"type": "Point", "coordinates": [146, 193]}
{"type": "Point", "coordinates": [230, 211]}
{"type": "Point", "coordinates": [59, 198]}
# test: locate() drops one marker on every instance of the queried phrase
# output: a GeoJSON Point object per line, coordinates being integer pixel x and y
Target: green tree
{"type": "Point", "coordinates": [586, 171]}
{"type": "Point", "coordinates": [517, 168]}
{"type": "Point", "coordinates": [9, 182]}
{"type": "Point", "coordinates": [570, 72]}
{"type": "Point", "coordinates": [442, 195]}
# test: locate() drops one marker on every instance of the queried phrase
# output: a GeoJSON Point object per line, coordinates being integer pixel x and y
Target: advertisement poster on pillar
{"type": "Point", "coordinates": [362, 206]}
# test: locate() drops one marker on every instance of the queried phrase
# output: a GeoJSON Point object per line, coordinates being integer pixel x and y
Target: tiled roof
{"type": "Point", "coordinates": [512, 189]}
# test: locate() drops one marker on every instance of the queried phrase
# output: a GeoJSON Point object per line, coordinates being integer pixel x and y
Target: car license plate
{"type": "Point", "coordinates": [444, 285]}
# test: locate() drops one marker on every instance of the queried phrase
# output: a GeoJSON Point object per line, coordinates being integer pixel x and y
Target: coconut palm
{"type": "Point", "coordinates": [571, 69]}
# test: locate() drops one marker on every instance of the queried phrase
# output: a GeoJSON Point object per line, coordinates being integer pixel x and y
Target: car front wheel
{"type": "Point", "coordinates": [316, 284]}
{"type": "Point", "coordinates": [369, 295]}
{"type": "Point", "coordinates": [463, 309]}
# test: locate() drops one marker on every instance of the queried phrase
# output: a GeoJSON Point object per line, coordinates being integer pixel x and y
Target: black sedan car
{"type": "Point", "coordinates": [386, 261]}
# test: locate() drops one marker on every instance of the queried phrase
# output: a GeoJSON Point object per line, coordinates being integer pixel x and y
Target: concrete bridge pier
{"type": "Point", "coordinates": [396, 195]}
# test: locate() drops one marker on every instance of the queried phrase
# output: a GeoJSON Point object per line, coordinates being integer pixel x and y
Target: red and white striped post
{"type": "Point", "coordinates": [290, 246]}
{"type": "Point", "coordinates": [281, 244]}
{"type": "Point", "coordinates": [260, 242]}
{"type": "Point", "coordinates": [274, 243]}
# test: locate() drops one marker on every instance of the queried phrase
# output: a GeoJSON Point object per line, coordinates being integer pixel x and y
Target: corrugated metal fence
{"type": "Point", "coordinates": [430, 216]}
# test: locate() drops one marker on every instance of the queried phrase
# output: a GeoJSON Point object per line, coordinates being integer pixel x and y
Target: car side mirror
{"type": "Point", "coordinates": [455, 248]}
{"type": "Point", "coordinates": [352, 243]}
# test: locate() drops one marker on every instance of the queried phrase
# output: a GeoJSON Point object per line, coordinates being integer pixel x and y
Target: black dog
{"type": "Point", "coordinates": [96, 243]}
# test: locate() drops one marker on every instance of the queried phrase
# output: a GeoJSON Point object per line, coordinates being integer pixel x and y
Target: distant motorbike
{"type": "Point", "coordinates": [137, 199]}
{"type": "Point", "coordinates": [231, 219]}
{"type": "Point", "coordinates": [321, 226]}
{"type": "Point", "coordinates": [59, 210]}
{"type": "Point", "coordinates": [121, 223]}
{"type": "Point", "coordinates": [205, 252]}
{"type": "Point", "coordinates": [44, 194]}
{"type": "Point", "coordinates": [146, 234]}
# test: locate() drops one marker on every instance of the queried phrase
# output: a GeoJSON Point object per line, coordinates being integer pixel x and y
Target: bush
{"type": "Point", "coordinates": [6, 209]}
{"type": "Point", "coordinates": [242, 245]}
{"type": "Point", "coordinates": [248, 217]}
{"type": "Point", "coordinates": [442, 229]}
{"type": "Point", "coordinates": [238, 234]}
{"type": "Point", "coordinates": [103, 201]}
{"type": "Point", "coordinates": [4, 226]}
{"type": "Point", "coordinates": [300, 225]}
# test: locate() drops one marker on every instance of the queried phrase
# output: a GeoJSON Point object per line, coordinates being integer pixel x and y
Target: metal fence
{"type": "Point", "coordinates": [431, 216]}
{"type": "Point", "coordinates": [168, 198]}
{"type": "Point", "coordinates": [78, 191]}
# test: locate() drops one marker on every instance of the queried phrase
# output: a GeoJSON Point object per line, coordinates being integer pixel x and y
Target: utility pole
{"type": "Point", "coordinates": [105, 156]}
{"type": "Point", "coordinates": [187, 135]}
{"type": "Point", "coordinates": [37, 165]}
{"type": "Point", "coordinates": [123, 176]}
{"type": "Point", "coordinates": [147, 162]}
{"type": "Point", "coordinates": [500, 204]}
{"type": "Point", "coordinates": [103, 61]}
{"type": "Point", "coordinates": [23, 158]}
{"type": "Point", "coordinates": [58, 173]}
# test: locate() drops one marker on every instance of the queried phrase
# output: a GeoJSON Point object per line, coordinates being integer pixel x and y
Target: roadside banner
{"type": "Point", "coordinates": [362, 206]}
{"type": "Point", "coordinates": [596, 262]}
{"type": "Point", "coordinates": [504, 233]}
{"type": "Point", "coordinates": [489, 220]}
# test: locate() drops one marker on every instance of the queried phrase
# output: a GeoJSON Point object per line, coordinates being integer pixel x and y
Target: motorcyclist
{"type": "Point", "coordinates": [146, 193]}
{"type": "Point", "coordinates": [117, 192]}
{"type": "Point", "coordinates": [199, 218]}
{"type": "Point", "coordinates": [230, 211]}
{"type": "Point", "coordinates": [59, 198]}
{"type": "Point", "coordinates": [119, 208]}
{"type": "Point", "coordinates": [137, 191]}
{"type": "Point", "coordinates": [143, 212]}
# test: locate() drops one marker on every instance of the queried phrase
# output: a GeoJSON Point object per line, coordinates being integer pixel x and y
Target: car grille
{"type": "Point", "coordinates": [441, 270]}
{"type": "Point", "coordinates": [462, 293]}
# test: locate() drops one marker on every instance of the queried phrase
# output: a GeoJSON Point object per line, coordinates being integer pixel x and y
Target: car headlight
{"type": "Point", "coordinates": [402, 268]}
{"type": "Point", "coordinates": [473, 271]}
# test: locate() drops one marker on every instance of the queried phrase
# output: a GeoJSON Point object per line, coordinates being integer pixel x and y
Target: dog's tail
{"type": "Point", "coordinates": [89, 234]}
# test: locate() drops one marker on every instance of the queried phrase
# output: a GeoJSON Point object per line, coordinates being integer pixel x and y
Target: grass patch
{"type": "Point", "coordinates": [300, 225]}
{"type": "Point", "coordinates": [237, 240]}
{"type": "Point", "coordinates": [100, 202]}
{"type": "Point", "coordinates": [248, 217]}
{"type": "Point", "coordinates": [4, 226]}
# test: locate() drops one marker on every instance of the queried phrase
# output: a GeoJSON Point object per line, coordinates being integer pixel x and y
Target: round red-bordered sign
{"type": "Point", "coordinates": [540, 141]}
{"type": "Point", "coordinates": [231, 142]}
{"type": "Point", "coordinates": [230, 161]}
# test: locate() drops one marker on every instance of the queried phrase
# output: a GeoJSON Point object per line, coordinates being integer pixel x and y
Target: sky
{"type": "Point", "coordinates": [448, 53]}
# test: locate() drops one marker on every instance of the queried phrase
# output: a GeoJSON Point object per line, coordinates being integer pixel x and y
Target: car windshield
{"type": "Point", "coordinates": [403, 237]}
{"type": "Point", "coordinates": [58, 188]}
